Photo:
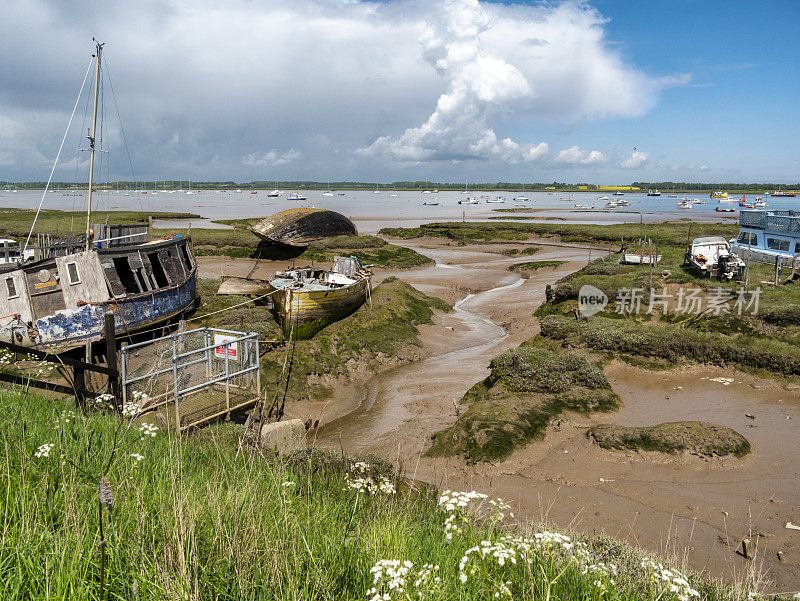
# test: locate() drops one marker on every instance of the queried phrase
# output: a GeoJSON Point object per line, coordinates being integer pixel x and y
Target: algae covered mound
{"type": "Point", "coordinates": [673, 343]}
{"type": "Point", "coordinates": [380, 331]}
{"type": "Point", "coordinates": [700, 438]}
{"type": "Point", "coordinates": [527, 387]}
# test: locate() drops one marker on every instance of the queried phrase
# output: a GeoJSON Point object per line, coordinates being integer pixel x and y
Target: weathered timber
{"type": "Point", "coordinates": [301, 226]}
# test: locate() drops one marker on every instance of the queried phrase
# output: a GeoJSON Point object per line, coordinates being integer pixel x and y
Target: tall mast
{"type": "Point", "coordinates": [91, 145]}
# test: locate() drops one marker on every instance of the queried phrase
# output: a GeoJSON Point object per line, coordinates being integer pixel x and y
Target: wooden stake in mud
{"type": "Point", "coordinates": [111, 359]}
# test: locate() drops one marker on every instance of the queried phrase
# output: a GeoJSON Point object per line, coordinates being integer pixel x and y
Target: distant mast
{"type": "Point", "coordinates": [91, 145]}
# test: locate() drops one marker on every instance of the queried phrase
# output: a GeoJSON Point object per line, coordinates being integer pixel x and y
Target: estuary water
{"type": "Point", "coordinates": [371, 210]}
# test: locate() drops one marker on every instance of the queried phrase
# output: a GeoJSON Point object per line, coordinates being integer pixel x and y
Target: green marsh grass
{"type": "Point", "coordinates": [198, 518]}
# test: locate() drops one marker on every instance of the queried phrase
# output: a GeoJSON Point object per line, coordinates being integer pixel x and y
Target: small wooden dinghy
{"type": "Point", "coordinates": [301, 226]}
{"type": "Point", "coordinates": [308, 299]}
{"type": "Point", "coordinates": [243, 286]}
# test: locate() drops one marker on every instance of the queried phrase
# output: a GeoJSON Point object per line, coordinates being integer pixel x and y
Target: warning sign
{"type": "Point", "coordinates": [219, 351]}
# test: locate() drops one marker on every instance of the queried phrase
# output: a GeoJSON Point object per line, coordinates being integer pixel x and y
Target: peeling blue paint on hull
{"type": "Point", "coordinates": [73, 327]}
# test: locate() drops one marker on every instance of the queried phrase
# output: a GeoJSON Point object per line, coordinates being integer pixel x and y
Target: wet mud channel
{"type": "Point", "coordinates": [697, 509]}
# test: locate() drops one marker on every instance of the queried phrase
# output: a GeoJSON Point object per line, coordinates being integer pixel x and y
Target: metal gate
{"type": "Point", "coordinates": [191, 377]}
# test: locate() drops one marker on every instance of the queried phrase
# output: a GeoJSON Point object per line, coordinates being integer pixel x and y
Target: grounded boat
{"type": "Point", "coordinates": [301, 226]}
{"type": "Point", "coordinates": [59, 301]}
{"type": "Point", "coordinates": [308, 299]}
{"type": "Point", "coordinates": [767, 236]}
{"type": "Point", "coordinates": [470, 200]}
{"type": "Point", "coordinates": [712, 256]}
{"type": "Point", "coordinates": [496, 199]}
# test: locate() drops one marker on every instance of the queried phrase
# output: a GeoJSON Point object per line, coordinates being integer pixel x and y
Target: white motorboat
{"type": "Point", "coordinates": [496, 199]}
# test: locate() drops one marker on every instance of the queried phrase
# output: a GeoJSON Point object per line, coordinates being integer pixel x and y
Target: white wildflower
{"type": "Point", "coordinates": [44, 450]}
{"type": "Point", "coordinates": [148, 430]}
{"type": "Point", "coordinates": [137, 457]}
{"type": "Point", "coordinates": [287, 484]}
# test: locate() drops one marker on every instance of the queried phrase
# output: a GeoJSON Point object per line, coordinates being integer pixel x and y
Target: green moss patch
{"type": "Point", "coordinates": [674, 343]}
{"type": "Point", "coordinates": [527, 267]}
{"type": "Point", "coordinates": [528, 386]}
{"type": "Point", "coordinates": [699, 438]}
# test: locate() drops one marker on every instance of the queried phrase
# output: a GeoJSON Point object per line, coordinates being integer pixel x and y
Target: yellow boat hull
{"type": "Point", "coordinates": [303, 313]}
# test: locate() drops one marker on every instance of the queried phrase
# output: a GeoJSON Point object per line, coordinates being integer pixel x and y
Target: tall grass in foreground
{"type": "Point", "coordinates": [197, 518]}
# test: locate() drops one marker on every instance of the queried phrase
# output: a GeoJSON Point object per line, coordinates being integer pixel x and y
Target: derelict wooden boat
{"type": "Point", "coordinates": [301, 226]}
{"type": "Point", "coordinates": [59, 301]}
{"type": "Point", "coordinates": [308, 299]}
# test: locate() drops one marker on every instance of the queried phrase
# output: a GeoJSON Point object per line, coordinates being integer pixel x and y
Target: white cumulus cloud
{"type": "Point", "coordinates": [479, 82]}
{"type": "Point", "coordinates": [575, 156]}
{"type": "Point", "coordinates": [636, 160]}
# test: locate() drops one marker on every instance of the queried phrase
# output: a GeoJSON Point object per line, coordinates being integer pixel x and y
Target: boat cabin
{"type": "Point", "coordinates": [767, 236]}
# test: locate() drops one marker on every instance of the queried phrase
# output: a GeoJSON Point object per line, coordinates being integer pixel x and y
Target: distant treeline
{"type": "Point", "coordinates": [418, 185]}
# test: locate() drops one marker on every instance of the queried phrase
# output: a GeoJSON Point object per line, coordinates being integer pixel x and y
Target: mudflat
{"type": "Point", "coordinates": [693, 506]}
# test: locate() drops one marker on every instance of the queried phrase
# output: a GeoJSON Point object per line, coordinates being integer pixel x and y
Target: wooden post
{"type": "Point", "coordinates": [111, 360]}
{"type": "Point", "coordinates": [79, 383]}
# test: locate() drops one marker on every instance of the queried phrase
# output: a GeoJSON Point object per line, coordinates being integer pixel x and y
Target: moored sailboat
{"type": "Point", "coordinates": [58, 302]}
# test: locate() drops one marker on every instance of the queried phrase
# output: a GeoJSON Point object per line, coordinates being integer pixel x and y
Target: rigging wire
{"type": "Point", "coordinates": [60, 148]}
{"type": "Point", "coordinates": [121, 128]}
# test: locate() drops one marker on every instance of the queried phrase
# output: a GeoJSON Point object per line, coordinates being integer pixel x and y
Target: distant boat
{"type": "Point", "coordinates": [328, 193]}
{"type": "Point", "coordinates": [612, 204]}
{"type": "Point", "coordinates": [582, 206]}
{"type": "Point", "coordinates": [275, 193]}
{"type": "Point", "coordinates": [253, 191]}
{"type": "Point", "coordinates": [603, 198]}
{"type": "Point", "coordinates": [434, 203]}
{"type": "Point", "coordinates": [781, 192]}
{"type": "Point", "coordinates": [521, 198]}
{"type": "Point", "coordinates": [724, 210]}
{"type": "Point", "coordinates": [653, 193]}
{"type": "Point", "coordinates": [718, 194]}
{"type": "Point", "coordinates": [469, 200]}
{"type": "Point", "coordinates": [618, 193]}
{"type": "Point", "coordinates": [297, 196]}
{"type": "Point", "coordinates": [684, 205]}
{"type": "Point", "coordinates": [496, 199]}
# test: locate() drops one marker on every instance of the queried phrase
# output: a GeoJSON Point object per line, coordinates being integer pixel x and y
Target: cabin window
{"type": "Point", "coordinates": [126, 275]}
{"type": "Point", "coordinates": [158, 271]}
{"type": "Point", "coordinates": [778, 244]}
{"type": "Point", "coordinates": [187, 261]}
{"type": "Point", "coordinates": [72, 274]}
{"type": "Point", "coordinates": [11, 288]}
{"type": "Point", "coordinates": [750, 238]}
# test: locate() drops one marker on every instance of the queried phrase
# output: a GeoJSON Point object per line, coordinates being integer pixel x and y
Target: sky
{"type": "Point", "coordinates": [602, 91]}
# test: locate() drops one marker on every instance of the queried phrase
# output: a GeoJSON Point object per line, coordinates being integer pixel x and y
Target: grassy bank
{"type": "Point", "coordinates": [16, 223]}
{"type": "Point", "coordinates": [528, 267]}
{"type": "Point", "coordinates": [528, 386]}
{"type": "Point", "coordinates": [195, 518]}
{"type": "Point", "coordinates": [670, 233]}
{"type": "Point", "coordinates": [699, 438]}
{"type": "Point", "coordinates": [674, 343]}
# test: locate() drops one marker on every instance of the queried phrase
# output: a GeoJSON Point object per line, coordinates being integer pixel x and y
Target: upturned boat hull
{"type": "Point", "coordinates": [302, 226]}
